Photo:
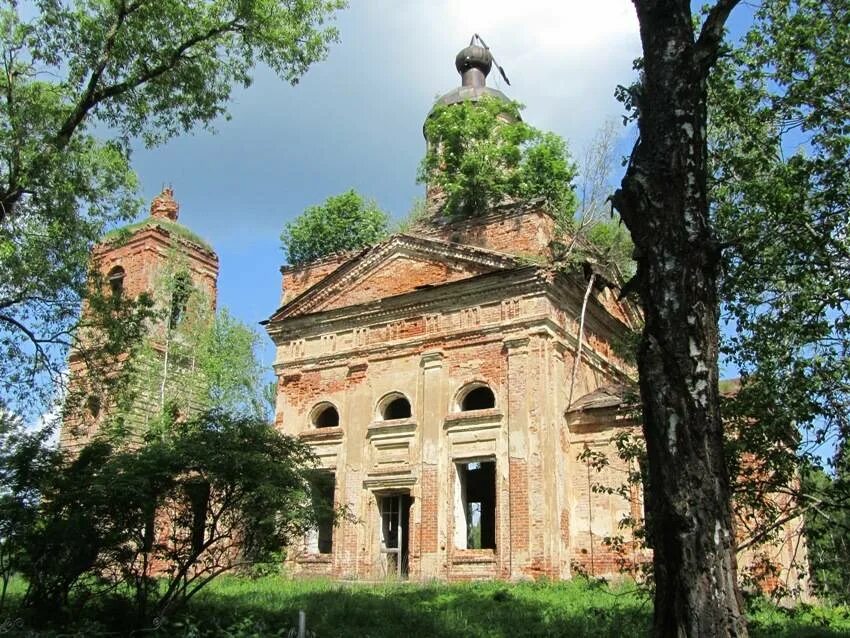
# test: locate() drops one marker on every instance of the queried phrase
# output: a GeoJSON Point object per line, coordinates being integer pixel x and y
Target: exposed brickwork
{"type": "Point", "coordinates": [428, 529]}
{"type": "Point", "coordinates": [297, 279]}
{"type": "Point", "coordinates": [525, 231]}
{"type": "Point", "coordinates": [397, 276]}
{"type": "Point", "coordinates": [507, 325]}
{"type": "Point", "coordinates": [144, 257]}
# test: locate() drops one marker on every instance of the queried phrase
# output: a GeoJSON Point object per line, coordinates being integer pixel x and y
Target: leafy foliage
{"type": "Point", "coordinates": [139, 68]}
{"type": "Point", "coordinates": [227, 359]}
{"type": "Point", "coordinates": [86, 525]}
{"type": "Point", "coordinates": [343, 222]}
{"type": "Point", "coordinates": [481, 154]}
{"type": "Point", "coordinates": [781, 187]}
{"type": "Point", "coordinates": [192, 359]}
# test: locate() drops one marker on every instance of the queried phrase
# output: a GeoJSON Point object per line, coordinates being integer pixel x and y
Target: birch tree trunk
{"type": "Point", "coordinates": [663, 201]}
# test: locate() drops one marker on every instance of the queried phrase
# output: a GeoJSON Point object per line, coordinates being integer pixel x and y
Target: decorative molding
{"type": "Point", "coordinates": [322, 434]}
{"type": "Point", "coordinates": [393, 428]}
{"type": "Point", "coordinates": [351, 272]}
{"type": "Point", "coordinates": [473, 420]}
{"type": "Point", "coordinates": [378, 481]}
{"type": "Point", "coordinates": [432, 360]}
{"type": "Point", "coordinates": [517, 345]}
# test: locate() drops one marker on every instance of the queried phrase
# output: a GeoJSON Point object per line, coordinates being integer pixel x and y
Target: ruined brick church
{"type": "Point", "coordinates": [430, 374]}
{"type": "Point", "coordinates": [435, 377]}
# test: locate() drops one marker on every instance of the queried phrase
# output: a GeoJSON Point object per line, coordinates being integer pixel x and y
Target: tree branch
{"type": "Point", "coordinates": [88, 99]}
{"type": "Point", "coordinates": [176, 57]}
{"type": "Point", "coordinates": [707, 45]}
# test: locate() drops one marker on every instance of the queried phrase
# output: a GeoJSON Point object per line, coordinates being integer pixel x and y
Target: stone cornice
{"type": "Point", "coordinates": [394, 428]}
{"type": "Point", "coordinates": [141, 239]}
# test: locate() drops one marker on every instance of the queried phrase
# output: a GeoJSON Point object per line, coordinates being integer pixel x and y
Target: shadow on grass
{"type": "Point", "coordinates": [243, 608]}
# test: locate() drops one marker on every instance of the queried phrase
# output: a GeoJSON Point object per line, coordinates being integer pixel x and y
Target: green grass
{"type": "Point", "coordinates": [241, 608]}
{"type": "Point", "coordinates": [176, 229]}
{"type": "Point", "coordinates": [488, 609]}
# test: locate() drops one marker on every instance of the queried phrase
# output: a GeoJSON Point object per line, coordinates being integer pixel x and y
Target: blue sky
{"type": "Point", "coordinates": [355, 120]}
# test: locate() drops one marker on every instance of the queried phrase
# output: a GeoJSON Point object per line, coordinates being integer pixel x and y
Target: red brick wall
{"type": "Point", "coordinates": [297, 279]}
{"type": "Point", "coordinates": [524, 232]}
{"type": "Point", "coordinates": [397, 276]}
{"type": "Point", "coordinates": [142, 256]}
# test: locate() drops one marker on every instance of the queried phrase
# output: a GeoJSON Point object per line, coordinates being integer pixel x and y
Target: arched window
{"type": "Point", "coordinates": [116, 282]}
{"type": "Point", "coordinates": [325, 415]}
{"type": "Point", "coordinates": [477, 397]}
{"type": "Point", "coordinates": [394, 406]}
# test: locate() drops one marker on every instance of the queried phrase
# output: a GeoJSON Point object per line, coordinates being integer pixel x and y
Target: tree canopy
{"type": "Point", "coordinates": [160, 519]}
{"type": "Point", "coordinates": [780, 161]}
{"type": "Point", "coordinates": [343, 222]}
{"type": "Point", "coordinates": [148, 69]}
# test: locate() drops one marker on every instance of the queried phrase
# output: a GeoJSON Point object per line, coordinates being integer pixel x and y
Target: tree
{"type": "Point", "coordinates": [233, 377]}
{"type": "Point", "coordinates": [663, 199]}
{"type": "Point", "coordinates": [164, 518]}
{"type": "Point", "coordinates": [192, 360]}
{"type": "Point", "coordinates": [343, 222]}
{"type": "Point", "coordinates": [139, 69]}
{"type": "Point", "coordinates": [781, 189]}
{"type": "Point", "coordinates": [481, 154]}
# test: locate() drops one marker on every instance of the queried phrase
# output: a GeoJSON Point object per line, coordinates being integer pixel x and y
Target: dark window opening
{"type": "Point", "coordinates": [199, 500]}
{"type": "Point", "coordinates": [171, 412]}
{"type": "Point", "coordinates": [481, 398]}
{"type": "Point", "coordinates": [179, 299]}
{"type": "Point", "coordinates": [327, 418]}
{"type": "Point", "coordinates": [322, 499]}
{"type": "Point", "coordinates": [475, 505]}
{"type": "Point", "coordinates": [116, 282]}
{"type": "Point", "coordinates": [397, 409]}
{"type": "Point", "coordinates": [93, 405]}
{"type": "Point", "coordinates": [149, 530]}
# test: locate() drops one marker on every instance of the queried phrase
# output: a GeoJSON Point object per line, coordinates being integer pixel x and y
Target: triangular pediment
{"type": "Point", "coordinates": [399, 265]}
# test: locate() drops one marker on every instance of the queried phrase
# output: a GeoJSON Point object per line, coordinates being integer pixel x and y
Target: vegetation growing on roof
{"type": "Point", "coordinates": [343, 222]}
{"type": "Point", "coordinates": [123, 233]}
{"type": "Point", "coordinates": [481, 154]}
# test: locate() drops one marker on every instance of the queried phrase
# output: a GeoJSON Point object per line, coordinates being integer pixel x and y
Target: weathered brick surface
{"type": "Point", "coordinates": [397, 276]}
{"type": "Point", "coordinates": [525, 231]}
{"type": "Point", "coordinates": [297, 279]}
{"type": "Point", "coordinates": [456, 329]}
{"type": "Point", "coordinates": [145, 256]}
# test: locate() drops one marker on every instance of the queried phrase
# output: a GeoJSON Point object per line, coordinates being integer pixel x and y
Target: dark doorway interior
{"type": "Point", "coordinates": [395, 536]}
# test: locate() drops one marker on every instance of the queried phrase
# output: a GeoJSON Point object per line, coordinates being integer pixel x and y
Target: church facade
{"type": "Point", "coordinates": [456, 412]}
{"type": "Point", "coordinates": [430, 374]}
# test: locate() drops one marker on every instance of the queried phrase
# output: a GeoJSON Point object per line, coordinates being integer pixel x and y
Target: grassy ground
{"type": "Point", "coordinates": [489, 609]}
{"type": "Point", "coordinates": [242, 608]}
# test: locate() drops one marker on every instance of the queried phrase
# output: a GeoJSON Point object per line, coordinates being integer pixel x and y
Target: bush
{"type": "Point", "coordinates": [344, 222]}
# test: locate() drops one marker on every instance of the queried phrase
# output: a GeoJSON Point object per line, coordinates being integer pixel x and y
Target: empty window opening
{"type": "Point", "coordinates": [93, 405]}
{"type": "Point", "coordinates": [398, 408]}
{"type": "Point", "coordinates": [326, 417]}
{"type": "Point", "coordinates": [475, 505]}
{"type": "Point", "coordinates": [480, 398]}
{"type": "Point", "coordinates": [199, 499]}
{"type": "Point", "coordinates": [320, 539]}
{"type": "Point", "coordinates": [116, 282]}
{"type": "Point", "coordinates": [182, 287]}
